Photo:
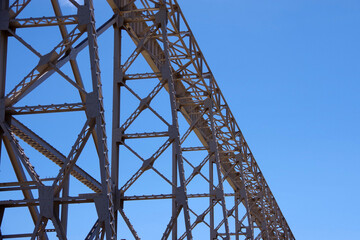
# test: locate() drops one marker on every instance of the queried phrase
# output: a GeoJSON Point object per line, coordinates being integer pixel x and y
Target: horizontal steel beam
{"type": "Point", "coordinates": [52, 108]}
{"type": "Point", "coordinates": [171, 196]}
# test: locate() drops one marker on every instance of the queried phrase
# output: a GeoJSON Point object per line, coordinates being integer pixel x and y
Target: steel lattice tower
{"type": "Point", "coordinates": [176, 148]}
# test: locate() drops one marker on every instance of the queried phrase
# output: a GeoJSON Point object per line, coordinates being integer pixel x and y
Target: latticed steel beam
{"type": "Point", "coordinates": [53, 108]}
{"type": "Point", "coordinates": [43, 21]}
{"type": "Point", "coordinates": [195, 120]}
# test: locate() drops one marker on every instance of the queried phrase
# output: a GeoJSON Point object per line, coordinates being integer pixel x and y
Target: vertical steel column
{"type": "Point", "coordinates": [264, 224]}
{"type": "Point", "coordinates": [177, 154]}
{"type": "Point", "coordinates": [212, 197]}
{"type": "Point", "coordinates": [117, 78]}
{"type": "Point", "coordinates": [65, 206]}
{"type": "Point", "coordinates": [237, 225]}
{"type": "Point", "coordinates": [175, 182]}
{"type": "Point", "coordinates": [244, 194]}
{"type": "Point", "coordinates": [107, 201]}
{"type": "Point", "coordinates": [4, 10]}
{"type": "Point", "coordinates": [215, 151]}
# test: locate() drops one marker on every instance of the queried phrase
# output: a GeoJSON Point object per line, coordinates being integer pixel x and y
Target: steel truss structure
{"type": "Point", "coordinates": [202, 176]}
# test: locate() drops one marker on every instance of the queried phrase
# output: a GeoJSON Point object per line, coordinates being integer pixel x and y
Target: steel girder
{"type": "Point", "coordinates": [194, 133]}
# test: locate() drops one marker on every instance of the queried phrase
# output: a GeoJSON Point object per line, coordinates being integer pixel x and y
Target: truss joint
{"type": "Point", "coordinates": [118, 135]}
{"type": "Point", "coordinates": [46, 201]}
{"type": "Point", "coordinates": [84, 17]}
{"type": "Point", "coordinates": [200, 218]}
{"type": "Point", "coordinates": [147, 164]}
{"type": "Point", "coordinates": [4, 20]}
{"type": "Point", "coordinates": [162, 16]}
{"type": "Point", "coordinates": [180, 196]}
{"type": "Point", "coordinates": [197, 170]}
{"type": "Point", "coordinates": [2, 110]}
{"type": "Point", "coordinates": [101, 204]}
{"type": "Point", "coordinates": [119, 77]}
{"type": "Point", "coordinates": [208, 103]}
{"type": "Point", "coordinates": [119, 22]}
{"type": "Point", "coordinates": [217, 193]}
{"type": "Point", "coordinates": [173, 132]}
{"type": "Point", "coordinates": [144, 103]}
{"type": "Point", "coordinates": [46, 61]}
{"type": "Point", "coordinates": [92, 105]}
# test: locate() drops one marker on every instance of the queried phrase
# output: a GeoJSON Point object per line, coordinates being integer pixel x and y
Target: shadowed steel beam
{"type": "Point", "coordinates": [116, 115]}
{"type": "Point", "coordinates": [4, 6]}
{"type": "Point", "coordinates": [50, 152]}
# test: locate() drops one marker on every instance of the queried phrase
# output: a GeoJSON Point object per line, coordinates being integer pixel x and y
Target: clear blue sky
{"type": "Point", "coordinates": [290, 71]}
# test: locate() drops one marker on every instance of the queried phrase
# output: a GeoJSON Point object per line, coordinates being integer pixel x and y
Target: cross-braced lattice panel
{"type": "Point", "coordinates": [239, 202]}
{"type": "Point", "coordinates": [53, 125]}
